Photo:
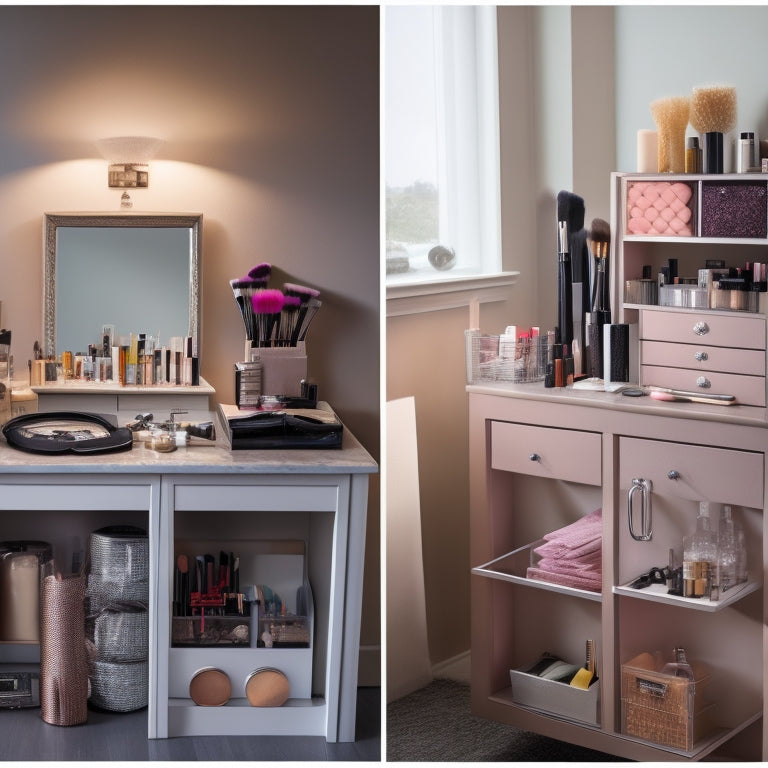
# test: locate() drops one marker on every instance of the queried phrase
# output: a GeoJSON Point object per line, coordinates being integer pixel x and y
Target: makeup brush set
{"type": "Point", "coordinates": [209, 607]}
{"type": "Point", "coordinates": [589, 345]}
{"type": "Point", "coordinates": [276, 323]}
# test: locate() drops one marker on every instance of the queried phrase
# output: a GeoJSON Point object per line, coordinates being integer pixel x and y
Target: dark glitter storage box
{"type": "Point", "coordinates": [734, 209]}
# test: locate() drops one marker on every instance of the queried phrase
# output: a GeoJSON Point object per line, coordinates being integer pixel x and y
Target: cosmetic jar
{"type": "Point", "coordinates": [643, 291]}
{"type": "Point", "coordinates": [210, 687]}
{"type": "Point", "coordinates": [745, 152]}
{"type": "Point", "coordinates": [163, 442]}
{"type": "Point", "coordinates": [267, 687]}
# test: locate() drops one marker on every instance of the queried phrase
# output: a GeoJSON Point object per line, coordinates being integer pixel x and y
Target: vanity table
{"type": "Point", "coordinates": [208, 492]}
{"type": "Point", "coordinates": [542, 459]}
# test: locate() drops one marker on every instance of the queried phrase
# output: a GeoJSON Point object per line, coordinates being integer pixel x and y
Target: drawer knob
{"type": "Point", "coordinates": [673, 474]}
{"type": "Point", "coordinates": [703, 382]}
{"type": "Point", "coordinates": [535, 457]}
{"type": "Point", "coordinates": [701, 328]}
{"type": "Point", "coordinates": [701, 356]}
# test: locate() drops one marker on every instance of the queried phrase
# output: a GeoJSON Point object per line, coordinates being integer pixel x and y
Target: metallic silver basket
{"type": "Point", "coordinates": [119, 686]}
{"type": "Point", "coordinates": [122, 636]}
{"type": "Point", "coordinates": [118, 567]}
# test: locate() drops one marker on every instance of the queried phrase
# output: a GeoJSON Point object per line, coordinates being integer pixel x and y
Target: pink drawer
{"type": "Point", "coordinates": [749, 390]}
{"type": "Point", "coordinates": [719, 475]}
{"type": "Point", "coordinates": [561, 454]}
{"type": "Point", "coordinates": [750, 362]}
{"type": "Point", "coordinates": [747, 332]}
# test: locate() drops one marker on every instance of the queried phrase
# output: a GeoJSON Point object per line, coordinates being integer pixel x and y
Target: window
{"type": "Point", "coordinates": [441, 156]}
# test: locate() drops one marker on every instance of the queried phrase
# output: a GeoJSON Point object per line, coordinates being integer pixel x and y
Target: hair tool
{"type": "Point", "coordinates": [713, 113]}
{"type": "Point", "coordinates": [600, 315]}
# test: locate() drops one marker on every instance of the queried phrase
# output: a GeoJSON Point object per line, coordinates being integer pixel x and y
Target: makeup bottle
{"type": "Point", "coordinates": [726, 550]}
{"type": "Point", "coordinates": [679, 667]}
{"type": "Point", "coordinates": [699, 556]}
{"type": "Point", "coordinates": [693, 156]}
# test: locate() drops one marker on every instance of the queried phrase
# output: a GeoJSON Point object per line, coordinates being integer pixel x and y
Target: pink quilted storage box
{"type": "Point", "coordinates": [661, 208]}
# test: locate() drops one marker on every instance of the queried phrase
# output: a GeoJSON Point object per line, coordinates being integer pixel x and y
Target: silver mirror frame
{"type": "Point", "coordinates": [52, 222]}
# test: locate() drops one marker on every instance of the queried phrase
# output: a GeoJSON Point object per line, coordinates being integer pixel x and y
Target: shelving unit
{"type": "Point", "coordinates": [541, 458]}
{"type": "Point", "coordinates": [211, 492]}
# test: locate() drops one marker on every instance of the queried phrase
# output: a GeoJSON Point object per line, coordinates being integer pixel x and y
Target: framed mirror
{"type": "Point", "coordinates": [138, 272]}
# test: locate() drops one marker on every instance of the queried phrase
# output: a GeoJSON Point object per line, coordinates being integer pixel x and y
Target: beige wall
{"type": "Point", "coordinates": [271, 122]}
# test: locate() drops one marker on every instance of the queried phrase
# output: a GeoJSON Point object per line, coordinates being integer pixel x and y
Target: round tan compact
{"type": "Point", "coordinates": [210, 687]}
{"type": "Point", "coordinates": [267, 687]}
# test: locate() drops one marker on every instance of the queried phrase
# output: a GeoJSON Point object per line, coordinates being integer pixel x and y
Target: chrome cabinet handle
{"type": "Point", "coordinates": [644, 488]}
{"type": "Point", "coordinates": [701, 328]}
{"type": "Point", "coordinates": [535, 457]}
{"type": "Point", "coordinates": [703, 382]}
{"type": "Point", "coordinates": [673, 474]}
{"type": "Point", "coordinates": [701, 356]}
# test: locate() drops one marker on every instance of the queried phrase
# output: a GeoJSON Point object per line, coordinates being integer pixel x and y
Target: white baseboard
{"type": "Point", "coordinates": [457, 668]}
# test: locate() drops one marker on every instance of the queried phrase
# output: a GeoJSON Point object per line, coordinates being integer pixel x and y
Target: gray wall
{"type": "Point", "coordinates": [271, 123]}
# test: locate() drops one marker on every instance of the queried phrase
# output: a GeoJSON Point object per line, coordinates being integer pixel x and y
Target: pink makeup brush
{"type": "Point", "coordinates": [267, 305]}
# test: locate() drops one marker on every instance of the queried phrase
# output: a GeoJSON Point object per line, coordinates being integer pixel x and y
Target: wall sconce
{"type": "Point", "coordinates": [128, 158]}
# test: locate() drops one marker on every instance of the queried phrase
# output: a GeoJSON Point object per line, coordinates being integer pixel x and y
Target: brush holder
{"type": "Point", "coordinates": [282, 368]}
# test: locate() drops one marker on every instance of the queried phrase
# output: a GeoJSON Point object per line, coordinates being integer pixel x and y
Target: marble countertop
{"type": "Point", "coordinates": [200, 456]}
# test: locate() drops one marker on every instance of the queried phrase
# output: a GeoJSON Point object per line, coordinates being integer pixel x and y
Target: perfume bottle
{"type": "Point", "coordinates": [699, 556]}
{"type": "Point", "coordinates": [679, 667]}
{"type": "Point", "coordinates": [727, 546]}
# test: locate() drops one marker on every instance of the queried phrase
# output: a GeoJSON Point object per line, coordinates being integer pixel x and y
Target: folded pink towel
{"type": "Point", "coordinates": [577, 582]}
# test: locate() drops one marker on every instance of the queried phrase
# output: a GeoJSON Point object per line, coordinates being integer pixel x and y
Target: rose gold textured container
{"type": "Point", "coordinates": [63, 661]}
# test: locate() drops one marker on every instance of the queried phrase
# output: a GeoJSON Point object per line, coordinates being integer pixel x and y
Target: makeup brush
{"type": "Point", "coordinates": [564, 297]}
{"type": "Point", "coordinates": [600, 239]}
{"type": "Point", "coordinates": [243, 289]}
{"type": "Point", "coordinates": [304, 294]}
{"type": "Point", "coordinates": [182, 566]}
{"type": "Point", "coordinates": [267, 305]}
{"type": "Point", "coordinates": [671, 117]}
{"type": "Point", "coordinates": [289, 317]}
{"type": "Point", "coordinates": [260, 272]}
{"type": "Point", "coordinates": [713, 113]}
{"type": "Point", "coordinates": [310, 310]}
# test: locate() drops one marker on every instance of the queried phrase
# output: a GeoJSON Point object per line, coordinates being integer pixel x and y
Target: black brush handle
{"type": "Point", "coordinates": [564, 301]}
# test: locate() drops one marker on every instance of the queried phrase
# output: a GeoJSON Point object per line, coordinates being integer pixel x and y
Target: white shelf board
{"type": "Point", "coordinates": [657, 593]}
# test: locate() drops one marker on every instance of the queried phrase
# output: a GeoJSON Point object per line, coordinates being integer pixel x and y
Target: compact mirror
{"type": "Point", "coordinates": [137, 272]}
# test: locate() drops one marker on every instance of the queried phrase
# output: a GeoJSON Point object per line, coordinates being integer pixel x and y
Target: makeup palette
{"type": "Point", "coordinates": [210, 687]}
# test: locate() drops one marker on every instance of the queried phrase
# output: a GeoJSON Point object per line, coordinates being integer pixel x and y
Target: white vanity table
{"type": "Point", "coordinates": [208, 491]}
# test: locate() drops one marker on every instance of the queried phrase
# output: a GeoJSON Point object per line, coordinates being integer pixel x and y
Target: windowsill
{"type": "Point", "coordinates": [451, 293]}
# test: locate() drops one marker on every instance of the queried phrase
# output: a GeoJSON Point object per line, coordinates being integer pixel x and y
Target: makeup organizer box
{"type": "Point", "coordinates": [275, 632]}
{"type": "Point", "coordinates": [505, 358]}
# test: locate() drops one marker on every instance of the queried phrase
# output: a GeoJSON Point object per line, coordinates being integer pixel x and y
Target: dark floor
{"type": "Point", "coordinates": [109, 736]}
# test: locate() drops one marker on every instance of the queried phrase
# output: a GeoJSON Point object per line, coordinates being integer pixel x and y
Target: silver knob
{"type": "Point", "coordinates": [701, 356]}
{"type": "Point", "coordinates": [535, 457]}
{"type": "Point", "coordinates": [703, 382]}
{"type": "Point", "coordinates": [701, 328]}
{"type": "Point", "coordinates": [673, 474]}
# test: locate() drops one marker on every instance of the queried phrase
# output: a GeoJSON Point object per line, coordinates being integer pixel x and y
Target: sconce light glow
{"type": "Point", "coordinates": [128, 158]}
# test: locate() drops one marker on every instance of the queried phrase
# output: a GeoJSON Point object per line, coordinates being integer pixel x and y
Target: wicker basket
{"type": "Point", "coordinates": [667, 710]}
